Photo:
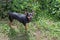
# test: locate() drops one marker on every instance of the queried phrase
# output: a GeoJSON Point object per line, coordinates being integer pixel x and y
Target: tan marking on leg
{"type": "Point", "coordinates": [26, 27]}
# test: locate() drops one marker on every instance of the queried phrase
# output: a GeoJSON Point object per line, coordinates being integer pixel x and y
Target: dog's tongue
{"type": "Point", "coordinates": [29, 18]}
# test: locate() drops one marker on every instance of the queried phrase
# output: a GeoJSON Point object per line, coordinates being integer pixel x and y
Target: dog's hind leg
{"type": "Point", "coordinates": [10, 21]}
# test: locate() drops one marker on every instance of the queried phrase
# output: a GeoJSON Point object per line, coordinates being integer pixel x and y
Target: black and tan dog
{"type": "Point", "coordinates": [23, 18]}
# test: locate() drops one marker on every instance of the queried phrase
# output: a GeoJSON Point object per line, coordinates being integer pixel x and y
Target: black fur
{"type": "Point", "coordinates": [20, 17]}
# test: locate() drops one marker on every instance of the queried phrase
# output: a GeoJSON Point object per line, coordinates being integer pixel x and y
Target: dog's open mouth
{"type": "Point", "coordinates": [29, 18]}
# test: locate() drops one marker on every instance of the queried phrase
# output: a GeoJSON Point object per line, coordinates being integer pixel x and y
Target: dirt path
{"type": "Point", "coordinates": [38, 34]}
{"type": "Point", "coordinates": [3, 36]}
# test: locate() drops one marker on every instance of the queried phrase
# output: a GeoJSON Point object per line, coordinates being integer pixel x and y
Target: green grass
{"type": "Point", "coordinates": [47, 26]}
{"type": "Point", "coordinates": [58, 0]}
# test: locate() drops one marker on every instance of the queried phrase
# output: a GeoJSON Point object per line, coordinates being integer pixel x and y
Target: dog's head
{"type": "Point", "coordinates": [29, 15]}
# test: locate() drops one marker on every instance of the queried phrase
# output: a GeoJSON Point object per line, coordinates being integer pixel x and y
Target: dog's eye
{"type": "Point", "coordinates": [30, 14]}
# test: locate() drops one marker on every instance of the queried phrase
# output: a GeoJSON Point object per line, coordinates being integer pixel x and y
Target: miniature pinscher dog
{"type": "Point", "coordinates": [23, 18]}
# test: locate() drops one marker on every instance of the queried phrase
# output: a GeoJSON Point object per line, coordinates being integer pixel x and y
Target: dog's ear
{"type": "Point", "coordinates": [33, 12]}
{"type": "Point", "coordinates": [26, 13]}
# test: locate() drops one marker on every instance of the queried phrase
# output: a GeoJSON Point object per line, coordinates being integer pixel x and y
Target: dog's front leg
{"type": "Point", "coordinates": [26, 27]}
